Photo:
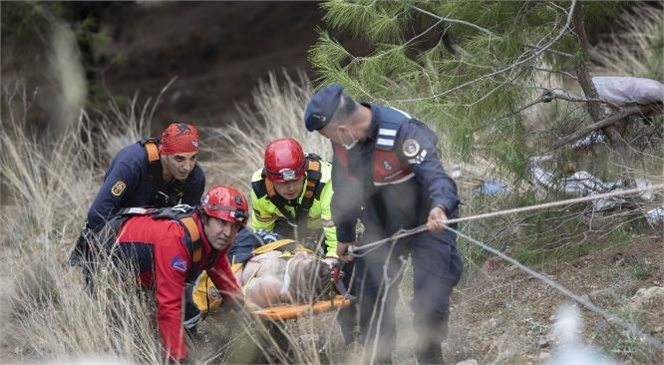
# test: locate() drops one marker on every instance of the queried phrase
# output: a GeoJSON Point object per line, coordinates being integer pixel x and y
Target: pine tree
{"type": "Point", "coordinates": [469, 67]}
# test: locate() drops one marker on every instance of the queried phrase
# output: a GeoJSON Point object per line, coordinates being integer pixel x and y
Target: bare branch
{"type": "Point", "coordinates": [454, 21]}
{"type": "Point", "coordinates": [614, 118]}
{"type": "Point", "coordinates": [550, 95]}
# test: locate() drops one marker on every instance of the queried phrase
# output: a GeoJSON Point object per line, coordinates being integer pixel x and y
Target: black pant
{"type": "Point", "coordinates": [437, 268]}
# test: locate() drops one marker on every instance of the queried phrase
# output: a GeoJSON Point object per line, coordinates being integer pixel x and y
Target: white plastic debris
{"type": "Point", "coordinates": [648, 194]}
{"type": "Point", "coordinates": [583, 183]}
{"type": "Point", "coordinates": [629, 90]}
{"type": "Point", "coordinates": [590, 139]}
{"type": "Point", "coordinates": [656, 215]}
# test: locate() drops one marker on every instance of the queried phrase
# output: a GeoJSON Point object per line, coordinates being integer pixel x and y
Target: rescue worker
{"type": "Point", "coordinates": [152, 173]}
{"type": "Point", "coordinates": [387, 173]}
{"type": "Point", "coordinates": [170, 246]}
{"type": "Point", "coordinates": [291, 195]}
{"type": "Point", "coordinates": [148, 173]}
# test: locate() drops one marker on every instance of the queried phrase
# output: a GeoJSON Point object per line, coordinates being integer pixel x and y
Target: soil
{"type": "Point", "coordinates": [220, 50]}
{"type": "Point", "coordinates": [214, 52]}
{"type": "Point", "coordinates": [505, 315]}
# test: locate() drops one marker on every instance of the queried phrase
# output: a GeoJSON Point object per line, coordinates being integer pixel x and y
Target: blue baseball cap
{"type": "Point", "coordinates": [321, 107]}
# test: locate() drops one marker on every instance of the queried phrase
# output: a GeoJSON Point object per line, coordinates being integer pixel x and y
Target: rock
{"type": "Point", "coordinates": [647, 298]}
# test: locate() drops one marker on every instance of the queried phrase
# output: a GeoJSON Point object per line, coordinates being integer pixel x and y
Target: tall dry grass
{"type": "Point", "coordinates": [48, 188]}
{"type": "Point", "coordinates": [49, 184]}
{"type": "Point", "coordinates": [278, 110]}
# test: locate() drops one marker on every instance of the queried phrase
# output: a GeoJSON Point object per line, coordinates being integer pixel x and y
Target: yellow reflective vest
{"type": "Point", "coordinates": [265, 211]}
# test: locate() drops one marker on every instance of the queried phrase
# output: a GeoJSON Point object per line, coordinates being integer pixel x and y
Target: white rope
{"type": "Point", "coordinates": [585, 302]}
{"type": "Point", "coordinates": [608, 316]}
{"type": "Point", "coordinates": [409, 232]}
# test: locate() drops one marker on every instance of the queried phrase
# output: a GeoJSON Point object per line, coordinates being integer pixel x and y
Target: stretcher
{"type": "Point", "coordinates": [207, 298]}
{"type": "Point", "coordinates": [295, 311]}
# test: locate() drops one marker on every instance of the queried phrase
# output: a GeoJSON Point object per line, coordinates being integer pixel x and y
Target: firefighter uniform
{"type": "Point", "coordinates": [166, 254]}
{"type": "Point", "coordinates": [268, 215]}
{"type": "Point", "coordinates": [134, 179]}
{"type": "Point", "coordinates": [391, 180]}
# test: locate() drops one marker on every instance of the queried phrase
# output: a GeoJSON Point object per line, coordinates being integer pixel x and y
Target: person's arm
{"type": "Point", "coordinates": [417, 146]}
{"type": "Point", "coordinates": [194, 187]}
{"type": "Point", "coordinates": [345, 206]}
{"type": "Point", "coordinates": [261, 215]}
{"type": "Point", "coordinates": [122, 179]}
{"type": "Point", "coordinates": [224, 280]}
{"type": "Point", "coordinates": [326, 217]}
{"type": "Point", "coordinates": [172, 262]}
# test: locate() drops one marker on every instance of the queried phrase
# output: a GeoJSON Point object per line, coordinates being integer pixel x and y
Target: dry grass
{"type": "Point", "coordinates": [237, 149]}
{"type": "Point", "coordinates": [46, 314]}
{"type": "Point", "coordinates": [55, 181]}
{"type": "Point", "coordinates": [633, 51]}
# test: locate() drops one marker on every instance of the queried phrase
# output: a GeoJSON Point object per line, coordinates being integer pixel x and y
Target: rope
{"type": "Point", "coordinates": [423, 228]}
{"type": "Point", "coordinates": [585, 302]}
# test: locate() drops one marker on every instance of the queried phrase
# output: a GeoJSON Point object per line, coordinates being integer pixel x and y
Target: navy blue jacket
{"type": "Point", "coordinates": [129, 183]}
{"type": "Point", "coordinates": [415, 145]}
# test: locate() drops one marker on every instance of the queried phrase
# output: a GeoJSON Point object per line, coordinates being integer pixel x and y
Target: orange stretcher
{"type": "Point", "coordinates": [287, 312]}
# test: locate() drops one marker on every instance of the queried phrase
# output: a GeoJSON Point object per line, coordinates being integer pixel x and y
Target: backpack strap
{"type": "Point", "coordinates": [156, 170]}
{"type": "Point", "coordinates": [314, 175]}
{"type": "Point", "coordinates": [152, 149]}
{"type": "Point", "coordinates": [151, 146]}
{"type": "Point", "coordinates": [191, 227]}
{"type": "Point", "coordinates": [183, 215]}
{"type": "Point", "coordinates": [311, 192]}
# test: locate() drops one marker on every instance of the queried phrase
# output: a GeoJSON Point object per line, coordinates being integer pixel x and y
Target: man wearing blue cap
{"type": "Point", "coordinates": [387, 173]}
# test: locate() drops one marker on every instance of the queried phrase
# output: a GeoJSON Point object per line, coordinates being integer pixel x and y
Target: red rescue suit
{"type": "Point", "coordinates": [159, 248]}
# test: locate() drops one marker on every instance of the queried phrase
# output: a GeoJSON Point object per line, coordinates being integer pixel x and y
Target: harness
{"type": "Point", "coordinates": [312, 191]}
{"type": "Point", "coordinates": [156, 170]}
{"type": "Point", "coordinates": [183, 214]}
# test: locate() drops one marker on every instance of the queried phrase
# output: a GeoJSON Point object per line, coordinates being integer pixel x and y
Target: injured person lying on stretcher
{"type": "Point", "coordinates": [282, 272]}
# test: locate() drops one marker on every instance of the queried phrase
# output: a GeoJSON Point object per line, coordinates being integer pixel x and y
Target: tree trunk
{"type": "Point", "coordinates": [585, 80]}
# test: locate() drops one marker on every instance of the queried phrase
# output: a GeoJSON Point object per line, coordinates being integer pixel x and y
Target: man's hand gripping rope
{"type": "Point", "coordinates": [347, 251]}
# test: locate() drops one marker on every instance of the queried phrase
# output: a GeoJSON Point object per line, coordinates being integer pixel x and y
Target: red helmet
{"type": "Point", "coordinates": [284, 160]}
{"type": "Point", "coordinates": [226, 203]}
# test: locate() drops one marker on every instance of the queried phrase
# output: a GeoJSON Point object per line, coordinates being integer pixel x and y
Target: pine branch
{"type": "Point", "coordinates": [533, 55]}
{"type": "Point", "coordinates": [450, 20]}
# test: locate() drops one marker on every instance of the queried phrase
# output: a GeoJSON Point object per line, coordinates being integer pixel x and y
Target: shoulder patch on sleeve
{"type": "Point", "coordinates": [419, 159]}
{"type": "Point", "coordinates": [410, 148]}
{"type": "Point", "coordinates": [179, 264]}
{"type": "Point", "coordinates": [118, 188]}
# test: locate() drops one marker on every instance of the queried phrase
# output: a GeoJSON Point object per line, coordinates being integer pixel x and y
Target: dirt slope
{"type": "Point", "coordinates": [505, 315]}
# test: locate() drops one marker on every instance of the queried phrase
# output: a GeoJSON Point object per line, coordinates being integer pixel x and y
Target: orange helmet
{"type": "Point", "coordinates": [284, 160]}
{"type": "Point", "coordinates": [226, 203]}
